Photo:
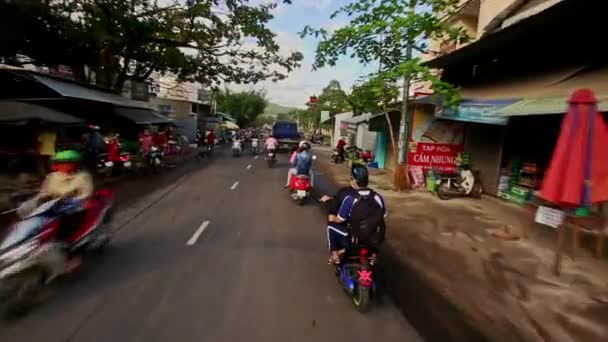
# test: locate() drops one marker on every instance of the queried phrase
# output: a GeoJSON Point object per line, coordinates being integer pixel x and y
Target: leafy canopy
{"type": "Point", "coordinates": [245, 106]}
{"type": "Point", "coordinates": [382, 30]}
{"type": "Point", "coordinates": [333, 99]}
{"type": "Point", "coordinates": [209, 41]}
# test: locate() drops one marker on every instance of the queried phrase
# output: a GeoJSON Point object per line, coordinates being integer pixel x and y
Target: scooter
{"type": "Point", "coordinates": [154, 159]}
{"type": "Point", "coordinates": [120, 160]}
{"type": "Point", "coordinates": [271, 158]}
{"type": "Point", "coordinates": [300, 188]}
{"type": "Point", "coordinates": [236, 148]}
{"type": "Point", "coordinates": [465, 183]}
{"type": "Point", "coordinates": [355, 274]}
{"type": "Point", "coordinates": [32, 256]}
{"type": "Point", "coordinates": [255, 146]}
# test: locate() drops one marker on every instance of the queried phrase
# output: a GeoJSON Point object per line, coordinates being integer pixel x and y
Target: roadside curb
{"type": "Point", "coordinates": [434, 315]}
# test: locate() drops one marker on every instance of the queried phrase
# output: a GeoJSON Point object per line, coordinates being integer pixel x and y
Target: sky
{"type": "Point", "coordinates": [304, 82]}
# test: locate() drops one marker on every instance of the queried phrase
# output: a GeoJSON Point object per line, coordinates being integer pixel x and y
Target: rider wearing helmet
{"type": "Point", "coordinates": [67, 180]}
{"type": "Point", "coordinates": [340, 208]}
{"type": "Point", "coordinates": [302, 162]}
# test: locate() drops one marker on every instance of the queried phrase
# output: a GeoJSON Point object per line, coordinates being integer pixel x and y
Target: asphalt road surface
{"type": "Point", "coordinates": [225, 255]}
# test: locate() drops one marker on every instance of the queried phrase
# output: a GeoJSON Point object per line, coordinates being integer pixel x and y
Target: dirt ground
{"type": "Point", "coordinates": [505, 288]}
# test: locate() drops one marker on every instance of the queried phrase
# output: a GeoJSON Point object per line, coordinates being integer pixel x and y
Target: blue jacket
{"type": "Point", "coordinates": [303, 163]}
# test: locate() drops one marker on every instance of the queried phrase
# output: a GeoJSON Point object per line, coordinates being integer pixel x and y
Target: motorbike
{"type": "Point", "coordinates": [236, 148]}
{"type": "Point", "coordinates": [464, 183]}
{"type": "Point", "coordinates": [32, 255]}
{"type": "Point", "coordinates": [335, 157]}
{"type": "Point", "coordinates": [154, 159]}
{"type": "Point", "coordinates": [255, 146]}
{"type": "Point", "coordinates": [354, 273]}
{"type": "Point", "coordinates": [271, 158]}
{"type": "Point", "coordinates": [300, 188]}
{"type": "Point", "coordinates": [104, 165]}
{"type": "Point", "coordinates": [120, 160]}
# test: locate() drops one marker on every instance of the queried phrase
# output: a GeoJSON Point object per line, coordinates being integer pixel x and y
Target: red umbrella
{"type": "Point", "coordinates": [578, 172]}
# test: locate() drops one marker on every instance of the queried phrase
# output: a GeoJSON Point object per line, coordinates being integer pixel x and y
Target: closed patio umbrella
{"type": "Point", "coordinates": [578, 172]}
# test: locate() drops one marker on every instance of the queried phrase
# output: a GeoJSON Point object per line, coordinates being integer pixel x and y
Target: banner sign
{"type": "Point", "coordinates": [434, 156]}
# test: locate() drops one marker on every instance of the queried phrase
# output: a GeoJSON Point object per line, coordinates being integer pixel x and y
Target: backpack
{"type": "Point", "coordinates": [367, 219]}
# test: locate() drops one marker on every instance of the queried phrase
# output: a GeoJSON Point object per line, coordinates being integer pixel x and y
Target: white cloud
{"type": "Point", "coordinates": [319, 5]}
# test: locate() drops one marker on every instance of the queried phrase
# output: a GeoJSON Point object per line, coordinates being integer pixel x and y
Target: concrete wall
{"type": "Point", "coordinates": [366, 139]}
{"type": "Point", "coordinates": [337, 121]}
{"type": "Point", "coordinates": [179, 109]}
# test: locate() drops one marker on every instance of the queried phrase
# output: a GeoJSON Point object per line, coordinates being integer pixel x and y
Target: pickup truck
{"type": "Point", "coordinates": [286, 134]}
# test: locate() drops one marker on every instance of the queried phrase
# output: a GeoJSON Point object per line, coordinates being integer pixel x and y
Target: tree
{"type": "Point", "coordinates": [333, 99]}
{"type": "Point", "coordinates": [245, 107]}
{"type": "Point", "coordinates": [209, 41]}
{"type": "Point", "coordinates": [264, 120]}
{"type": "Point", "coordinates": [389, 32]}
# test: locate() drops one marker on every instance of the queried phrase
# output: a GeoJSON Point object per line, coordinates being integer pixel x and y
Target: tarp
{"type": "Point", "coordinates": [142, 116]}
{"type": "Point", "coordinates": [480, 111]}
{"type": "Point", "coordinates": [229, 125]}
{"type": "Point", "coordinates": [78, 91]}
{"type": "Point", "coordinates": [544, 105]}
{"type": "Point", "coordinates": [16, 112]}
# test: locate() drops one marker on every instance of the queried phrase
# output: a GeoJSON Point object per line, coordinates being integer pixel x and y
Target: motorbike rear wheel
{"type": "Point", "coordinates": [361, 298]}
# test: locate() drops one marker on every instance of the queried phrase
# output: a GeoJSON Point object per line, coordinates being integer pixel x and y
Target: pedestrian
{"type": "Point", "coordinates": [47, 141]}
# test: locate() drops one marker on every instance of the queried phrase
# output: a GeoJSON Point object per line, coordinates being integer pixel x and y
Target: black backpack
{"type": "Point", "coordinates": [367, 219]}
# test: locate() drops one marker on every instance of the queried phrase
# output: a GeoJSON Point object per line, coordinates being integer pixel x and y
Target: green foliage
{"type": "Point", "coordinates": [264, 120]}
{"type": "Point", "coordinates": [383, 30]}
{"type": "Point", "coordinates": [373, 96]}
{"type": "Point", "coordinates": [333, 99]}
{"type": "Point", "coordinates": [274, 109]}
{"type": "Point", "coordinates": [245, 107]}
{"type": "Point", "coordinates": [209, 41]}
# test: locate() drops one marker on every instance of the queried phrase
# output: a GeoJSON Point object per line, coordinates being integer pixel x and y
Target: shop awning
{"type": "Point", "coordinates": [141, 116]}
{"type": "Point", "coordinates": [21, 112]}
{"type": "Point", "coordinates": [479, 111]}
{"type": "Point", "coordinates": [552, 98]}
{"type": "Point", "coordinates": [544, 105]}
{"type": "Point", "coordinates": [83, 92]}
{"type": "Point", "coordinates": [225, 117]}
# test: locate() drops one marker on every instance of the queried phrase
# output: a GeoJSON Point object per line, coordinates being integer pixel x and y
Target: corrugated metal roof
{"type": "Point", "coordinates": [75, 90]}
{"type": "Point", "coordinates": [15, 111]}
{"type": "Point", "coordinates": [142, 116]}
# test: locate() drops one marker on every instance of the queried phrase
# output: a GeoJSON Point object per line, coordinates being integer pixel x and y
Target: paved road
{"type": "Point", "coordinates": [224, 256]}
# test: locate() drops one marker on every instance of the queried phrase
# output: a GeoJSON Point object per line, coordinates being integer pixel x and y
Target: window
{"type": "Point", "coordinates": [165, 109]}
{"type": "Point", "coordinates": [194, 108]}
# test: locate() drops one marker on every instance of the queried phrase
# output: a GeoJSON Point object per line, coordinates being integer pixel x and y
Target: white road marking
{"type": "Point", "coordinates": [248, 167]}
{"type": "Point", "coordinates": [256, 157]}
{"type": "Point", "coordinates": [197, 234]}
{"type": "Point", "coordinates": [234, 185]}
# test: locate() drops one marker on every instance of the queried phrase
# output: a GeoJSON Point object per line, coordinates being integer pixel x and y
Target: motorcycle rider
{"type": "Point", "coordinates": [73, 185]}
{"type": "Point", "coordinates": [211, 139]}
{"type": "Point", "coordinates": [340, 209]}
{"type": "Point", "coordinates": [340, 147]}
{"type": "Point", "coordinates": [271, 143]}
{"type": "Point", "coordinates": [301, 160]}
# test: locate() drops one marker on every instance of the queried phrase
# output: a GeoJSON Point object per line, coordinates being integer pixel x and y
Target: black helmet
{"type": "Point", "coordinates": [305, 146]}
{"type": "Point", "coordinates": [360, 175]}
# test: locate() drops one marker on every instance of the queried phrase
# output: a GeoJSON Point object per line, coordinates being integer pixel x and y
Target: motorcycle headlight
{"type": "Point", "coordinates": [17, 253]}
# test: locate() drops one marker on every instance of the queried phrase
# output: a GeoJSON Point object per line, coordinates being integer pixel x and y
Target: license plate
{"type": "Point", "coordinates": [127, 164]}
{"type": "Point", "coordinates": [301, 193]}
{"type": "Point", "coordinates": [109, 164]}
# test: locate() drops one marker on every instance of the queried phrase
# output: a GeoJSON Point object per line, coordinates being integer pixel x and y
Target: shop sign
{"type": "Point", "coordinates": [434, 156]}
{"type": "Point", "coordinates": [549, 216]}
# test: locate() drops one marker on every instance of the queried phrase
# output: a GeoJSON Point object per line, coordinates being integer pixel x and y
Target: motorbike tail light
{"type": "Point", "coordinates": [363, 252]}
{"type": "Point", "coordinates": [125, 157]}
{"type": "Point", "coordinates": [365, 278]}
